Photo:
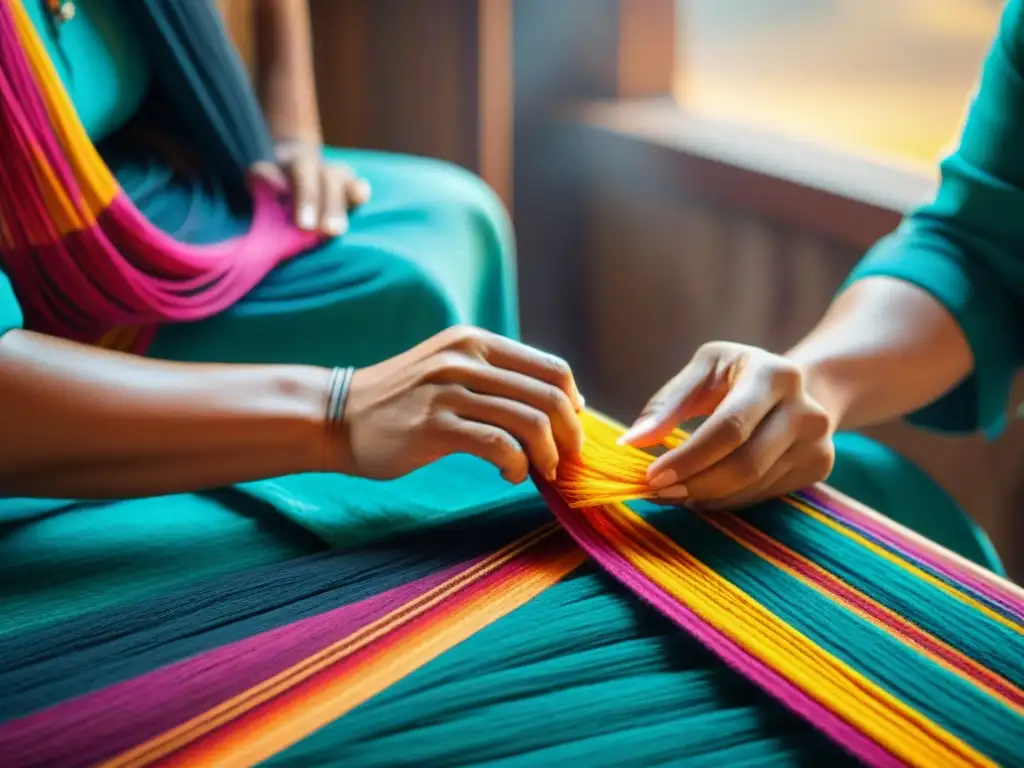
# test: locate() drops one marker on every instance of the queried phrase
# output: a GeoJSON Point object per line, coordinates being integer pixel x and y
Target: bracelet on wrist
{"type": "Point", "coordinates": [341, 382]}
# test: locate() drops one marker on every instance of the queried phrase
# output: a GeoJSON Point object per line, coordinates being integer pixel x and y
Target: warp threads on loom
{"type": "Point", "coordinates": [839, 640]}
{"type": "Point", "coordinates": [896, 652]}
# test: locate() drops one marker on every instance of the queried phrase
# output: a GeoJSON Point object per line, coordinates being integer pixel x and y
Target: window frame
{"type": "Point", "coordinates": [830, 193]}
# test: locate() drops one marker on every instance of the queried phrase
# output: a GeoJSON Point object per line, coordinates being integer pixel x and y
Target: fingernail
{"type": "Point", "coordinates": [664, 479]}
{"type": "Point", "coordinates": [551, 475]}
{"type": "Point", "coordinates": [581, 401]}
{"type": "Point", "coordinates": [364, 191]}
{"type": "Point", "coordinates": [674, 493]}
{"type": "Point", "coordinates": [307, 217]}
{"type": "Point", "coordinates": [631, 434]}
{"type": "Point", "coordinates": [336, 225]}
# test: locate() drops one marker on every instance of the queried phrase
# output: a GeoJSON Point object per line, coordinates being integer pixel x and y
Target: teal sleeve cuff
{"type": "Point", "coordinates": [982, 307]}
{"type": "Point", "coordinates": [10, 310]}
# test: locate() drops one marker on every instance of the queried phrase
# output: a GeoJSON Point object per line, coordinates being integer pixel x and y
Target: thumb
{"type": "Point", "coordinates": [670, 405]}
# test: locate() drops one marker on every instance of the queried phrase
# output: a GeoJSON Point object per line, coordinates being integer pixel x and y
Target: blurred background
{"type": "Point", "coordinates": [883, 78]}
{"type": "Point", "coordinates": [678, 171]}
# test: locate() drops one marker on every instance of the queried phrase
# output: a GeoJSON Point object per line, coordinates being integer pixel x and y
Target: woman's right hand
{"type": "Point", "coordinates": [766, 434]}
{"type": "Point", "coordinates": [462, 391]}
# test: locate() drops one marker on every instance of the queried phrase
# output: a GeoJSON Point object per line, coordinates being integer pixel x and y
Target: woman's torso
{"type": "Point", "coordinates": [102, 64]}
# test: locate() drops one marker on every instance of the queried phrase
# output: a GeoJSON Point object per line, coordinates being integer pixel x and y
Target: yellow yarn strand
{"type": "Point", "coordinates": [606, 473]}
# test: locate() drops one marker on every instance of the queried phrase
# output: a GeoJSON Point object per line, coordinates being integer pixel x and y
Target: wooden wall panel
{"type": "Point", "coordinates": [647, 48]}
{"type": "Point", "coordinates": [424, 77]}
{"type": "Point", "coordinates": [238, 17]}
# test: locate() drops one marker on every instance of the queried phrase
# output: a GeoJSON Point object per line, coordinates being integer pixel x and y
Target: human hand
{"type": "Point", "coordinates": [765, 434]}
{"type": "Point", "coordinates": [463, 391]}
{"type": "Point", "coordinates": [323, 193]}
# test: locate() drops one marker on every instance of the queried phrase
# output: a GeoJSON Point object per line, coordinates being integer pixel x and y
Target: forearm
{"type": "Point", "coordinates": [78, 422]}
{"type": "Point", "coordinates": [285, 76]}
{"type": "Point", "coordinates": [883, 350]}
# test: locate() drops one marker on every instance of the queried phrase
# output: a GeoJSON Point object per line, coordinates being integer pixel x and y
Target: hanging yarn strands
{"type": "Point", "coordinates": [900, 653]}
{"type": "Point", "coordinates": [112, 277]}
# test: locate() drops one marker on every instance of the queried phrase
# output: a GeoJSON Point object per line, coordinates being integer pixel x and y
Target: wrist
{"type": "Point", "coordinates": [824, 384]}
{"type": "Point", "coordinates": [288, 146]}
{"type": "Point", "coordinates": [305, 437]}
{"type": "Point", "coordinates": [339, 456]}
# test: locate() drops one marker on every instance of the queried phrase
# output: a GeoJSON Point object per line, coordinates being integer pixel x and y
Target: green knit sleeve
{"type": "Point", "coordinates": [10, 310]}
{"type": "Point", "coordinates": [966, 246]}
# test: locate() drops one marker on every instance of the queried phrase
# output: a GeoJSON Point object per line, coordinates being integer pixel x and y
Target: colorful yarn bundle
{"type": "Point", "coordinates": [899, 652]}
{"type": "Point", "coordinates": [108, 271]}
{"type": "Point", "coordinates": [812, 672]}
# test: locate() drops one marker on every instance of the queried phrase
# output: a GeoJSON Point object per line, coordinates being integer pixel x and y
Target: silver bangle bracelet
{"type": "Point", "coordinates": [341, 381]}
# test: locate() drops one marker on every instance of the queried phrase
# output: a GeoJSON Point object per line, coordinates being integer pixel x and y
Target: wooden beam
{"type": "Point", "coordinates": [647, 38]}
{"type": "Point", "coordinates": [496, 95]}
{"type": "Point", "coordinates": [426, 77]}
{"type": "Point", "coordinates": [843, 198]}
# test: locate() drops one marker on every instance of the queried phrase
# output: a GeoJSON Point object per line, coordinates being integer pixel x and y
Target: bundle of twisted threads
{"type": "Point", "coordinates": [607, 472]}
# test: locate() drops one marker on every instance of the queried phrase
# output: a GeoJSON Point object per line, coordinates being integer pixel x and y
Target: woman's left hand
{"type": "Point", "coordinates": [323, 192]}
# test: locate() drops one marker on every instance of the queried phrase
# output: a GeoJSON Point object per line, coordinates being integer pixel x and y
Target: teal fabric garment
{"type": "Point", "coordinates": [10, 312]}
{"type": "Point", "coordinates": [102, 65]}
{"type": "Point", "coordinates": [966, 246]}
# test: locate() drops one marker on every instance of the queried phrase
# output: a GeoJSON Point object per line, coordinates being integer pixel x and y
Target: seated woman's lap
{"type": "Point", "coordinates": [432, 248]}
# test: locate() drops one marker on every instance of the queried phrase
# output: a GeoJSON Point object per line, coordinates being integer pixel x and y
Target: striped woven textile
{"type": "Point", "coordinates": [901, 653]}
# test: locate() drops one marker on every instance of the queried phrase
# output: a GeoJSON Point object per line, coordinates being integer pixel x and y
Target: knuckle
{"type": "Point", "coordinates": [338, 171]}
{"type": "Point", "coordinates": [497, 445]}
{"type": "Point", "coordinates": [717, 350]}
{"type": "Point", "coordinates": [433, 416]}
{"type": "Point", "coordinates": [560, 370]}
{"type": "Point", "coordinates": [708, 350]}
{"type": "Point", "coordinates": [815, 423]}
{"type": "Point", "coordinates": [735, 430]}
{"type": "Point", "coordinates": [536, 424]}
{"type": "Point", "coordinates": [556, 401]}
{"type": "Point", "coordinates": [824, 460]}
{"type": "Point", "coordinates": [786, 376]}
{"type": "Point", "coordinates": [655, 405]}
{"type": "Point", "coordinates": [747, 467]}
{"type": "Point", "coordinates": [447, 396]}
{"type": "Point", "coordinates": [466, 339]}
{"type": "Point", "coordinates": [307, 168]}
{"type": "Point", "coordinates": [449, 365]}
{"type": "Point", "coordinates": [439, 396]}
